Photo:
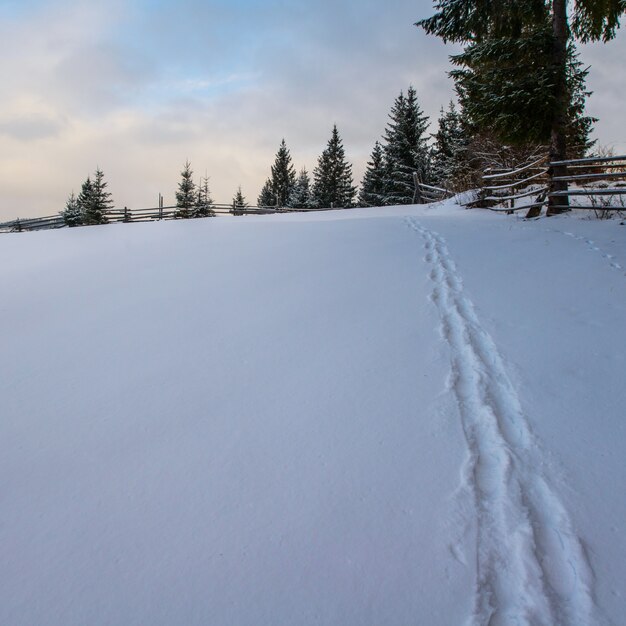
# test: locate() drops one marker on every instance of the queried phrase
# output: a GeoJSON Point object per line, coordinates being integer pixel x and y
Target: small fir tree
{"type": "Point", "coordinates": [300, 197]}
{"type": "Point", "coordinates": [373, 185]}
{"type": "Point", "coordinates": [239, 202]}
{"type": "Point", "coordinates": [186, 196]}
{"type": "Point", "coordinates": [72, 214]}
{"type": "Point", "coordinates": [203, 206]}
{"type": "Point", "coordinates": [332, 186]}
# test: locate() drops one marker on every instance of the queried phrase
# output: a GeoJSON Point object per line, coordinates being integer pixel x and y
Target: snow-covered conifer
{"type": "Point", "coordinates": [186, 195]}
{"type": "Point", "coordinates": [204, 202]}
{"type": "Point", "coordinates": [239, 202]}
{"type": "Point", "coordinates": [94, 210]}
{"type": "Point", "coordinates": [72, 214]}
{"type": "Point", "coordinates": [300, 197]}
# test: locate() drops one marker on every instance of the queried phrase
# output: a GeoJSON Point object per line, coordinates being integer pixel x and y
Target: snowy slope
{"type": "Point", "coordinates": [388, 416]}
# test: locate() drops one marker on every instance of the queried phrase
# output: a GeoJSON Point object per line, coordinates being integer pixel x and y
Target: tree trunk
{"type": "Point", "coordinates": [558, 145]}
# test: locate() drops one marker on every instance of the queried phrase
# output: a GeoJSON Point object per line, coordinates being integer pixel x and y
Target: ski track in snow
{"type": "Point", "coordinates": [591, 245]}
{"type": "Point", "coordinates": [531, 568]}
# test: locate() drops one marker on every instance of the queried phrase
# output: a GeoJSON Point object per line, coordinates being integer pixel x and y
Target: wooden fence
{"type": "Point", "coordinates": [600, 182]}
{"type": "Point", "coordinates": [149, 214]}
{"type": "Point", "coordinates": [426, 194]}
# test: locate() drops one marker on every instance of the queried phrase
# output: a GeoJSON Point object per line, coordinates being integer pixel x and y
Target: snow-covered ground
{"type": "Point", "coordinates": [389, 416]}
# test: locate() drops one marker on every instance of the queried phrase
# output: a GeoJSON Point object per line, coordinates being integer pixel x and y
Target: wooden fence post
{"type": "Point", "coordinates": [417, 196]}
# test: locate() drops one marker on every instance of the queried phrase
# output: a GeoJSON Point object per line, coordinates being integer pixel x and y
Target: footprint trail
{"type": "Point", "coordinates": [531, 568]}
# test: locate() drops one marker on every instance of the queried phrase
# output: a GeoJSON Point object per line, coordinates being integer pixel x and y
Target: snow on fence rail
{"type": "Point", "coordinates": [502, 190]}
{"type": "Point", "coordinates": [591, 178]}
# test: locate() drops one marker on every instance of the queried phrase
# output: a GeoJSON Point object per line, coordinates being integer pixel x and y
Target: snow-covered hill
{"type": "Point", "coordinates": [388, 416]}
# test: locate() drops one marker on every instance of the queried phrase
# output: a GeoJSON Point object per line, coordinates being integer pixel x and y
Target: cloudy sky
{"type": "Point", "coordinates": [136, 87]}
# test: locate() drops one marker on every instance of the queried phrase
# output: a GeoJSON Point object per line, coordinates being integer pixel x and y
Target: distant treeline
{"type": "Point", "coordinates": [453, 157]}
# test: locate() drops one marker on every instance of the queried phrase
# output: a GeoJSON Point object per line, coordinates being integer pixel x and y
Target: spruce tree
{"type": "Point", "coordinates": [300, 197]}
{"type": "Point", "coordinates": [266, 197]}
{"type": "Point", "coordinates": [332, 186]}
{"type": "Point", "coordinates": [283, 176]}
{"type": "Point", "coordinates": [406, 149]}
{"type": "Point", "coordinates": [373, 185]}
{"type": "Point", "coordinates": [72, 214]}
{"type": "Point", "coordinates": [99, 201]}
{"type": "Point", "coordinates": [239, 202]}
{"type": "Point", "coordinates": [204, 202]}
{"type": "Point", "coordinates": [186, 196]}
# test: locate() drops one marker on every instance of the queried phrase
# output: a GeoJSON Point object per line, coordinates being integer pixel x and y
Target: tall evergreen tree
{"type": "Point", "coordinates": [267, 197]}
{"type": "Point", "coordinates": [373, 185]}
{"type": "Point", "coordinates": [72, 214]}
{"type": "Point", "coordinates": [406, 149]}
{"type": "Point", "coordinates": [186, 195]}
{"type": "Point", "coordinates": [283, 175]}
{"type": "Point", "coordinates": [300, 197]}
{"type": "Point", "coordinates": [332, 186]}
{"type": "Point", "coordinates": [203, 206]}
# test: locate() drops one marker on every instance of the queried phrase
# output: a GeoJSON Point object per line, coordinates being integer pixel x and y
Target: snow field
{"type": "Point", "coordinates": [387, 416]}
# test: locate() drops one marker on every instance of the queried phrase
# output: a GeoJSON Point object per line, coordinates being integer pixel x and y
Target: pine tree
{"type": "Point", "coordinates": [72, 214]}
{"type": "Point", "coordinates": [283, 176]}
{"type": "Point", "coordinates": [204, 203]}
{"type": "Point", "coordinates": [406, 149]}
{"type": "Point", "coordinates": [186, 195]}
{"type": "Point", "coordinates": [94, 210]}
{"type": "Point", "coordinates": [266, 197]}
{"type": "Point", "coordinates": [300, 197]}
{"type": "Point", "coordinates": [332, 186]}
{"type": "Point", "coordinates": [373, 185]}
{"type": "Point", "coordinates": [239, 202]}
